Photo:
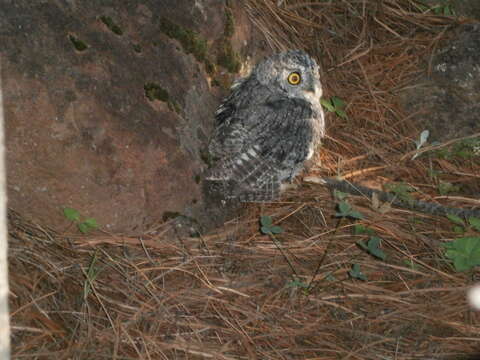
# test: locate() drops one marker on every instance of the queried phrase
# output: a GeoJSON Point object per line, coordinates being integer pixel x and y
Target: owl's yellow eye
{"type": "Point", "coordinates": [294, 78]}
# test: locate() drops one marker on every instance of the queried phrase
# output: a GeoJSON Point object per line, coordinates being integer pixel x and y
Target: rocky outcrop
{"type": "Point", "coordinates": [447, 101]}
{"type": "Point", "coordinates": [109, 104]}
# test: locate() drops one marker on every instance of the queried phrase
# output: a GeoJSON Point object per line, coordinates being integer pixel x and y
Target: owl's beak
{"type": "Point", "coordinates": [315, 90]}
{"type": "Point", "coordinates": [311, 87]}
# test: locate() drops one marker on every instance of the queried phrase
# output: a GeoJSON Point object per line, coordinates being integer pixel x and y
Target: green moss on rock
{"type": "Point", "coordinates": [77, 43]}
{"type": "Point", "coordinates": [228, 58]}
{"type": "Point", "coordinates": [173, 106]}
{"type": "Point", "coordinates": [137, 48]}
{"type": "Point", "coordinates": [229, 23]}
{"type": "Point", "coordinates": [110, 24]}
{"type": "Point", "coordinates": [191, 42]}
{"type": "Point", "coordinates": [156, 92]}
{"type": "Point", "coordinates": [209, 67]}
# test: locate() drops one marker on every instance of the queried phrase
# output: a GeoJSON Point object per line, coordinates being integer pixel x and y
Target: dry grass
{"type": "Point", "coordinates": [230, 295]}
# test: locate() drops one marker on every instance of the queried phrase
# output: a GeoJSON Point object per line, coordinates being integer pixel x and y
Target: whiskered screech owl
{"type": "Point", "coordinates": [267, 127]}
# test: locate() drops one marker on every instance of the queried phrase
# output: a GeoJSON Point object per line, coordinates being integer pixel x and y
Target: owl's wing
{"type": "Point", "coordinates": [260, 146]}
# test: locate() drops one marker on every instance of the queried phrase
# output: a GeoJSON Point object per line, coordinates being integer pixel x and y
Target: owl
{"type": "Point", "coordinates": [267, 127]}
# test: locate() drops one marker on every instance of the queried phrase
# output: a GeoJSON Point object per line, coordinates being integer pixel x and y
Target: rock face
{"type": "Point", "coordinates": [448, 101]}
{"type": "Point", "coordinates": [109, 104]}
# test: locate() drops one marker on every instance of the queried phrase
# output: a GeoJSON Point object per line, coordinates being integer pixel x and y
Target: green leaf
{"type": "Point", "coordinates": [337, 102]}
{"type": "Point", "coordinates": [276, 229]}
{"type": "Point", "coordinates": [470, 245]}
{"type": "Point", "coordinates": [339, 195]}
{"type": "Point", "coordinates": [458, 229]}
{"type": "Point", "coordinates": [362, 245]}
{"type": "Point", "coordinates": [266, 220]}
{"type": "Point", "coordinates": [266, 230]}
{"type": "Point", "coordinates": [341, 113]}
{"type": "Point", "coordinates": [465, 252]}
{"type": "Point", "coordinates": [461, 264]}
{"type": "Point", "coordinates": [374, 249]}
{"type": "Point", "coordinates": [374, 242]}
{"type": "Point", "coordinates": [455, 219]}
{"type": "Point", "coordinates": [83, 227]}
{"type": "Point", "coordinates": [344, 207]}
{"type": "Point", "coordinates": [448, 11]}
{"type": "Point", "coordinates": [359, 229]}
{"type": "Point", "coordinates": [71, 214]}
{"type": "Point", "coordinates": [355, 214]}
{"type": "Point", "coordinates": [475, 223]}
{"type": "Point", "coordinates": [327, 104]}
{"type": "Point", "coordinates": [356, 273]}
{"type": "Point", "coordinates": [91, 223]}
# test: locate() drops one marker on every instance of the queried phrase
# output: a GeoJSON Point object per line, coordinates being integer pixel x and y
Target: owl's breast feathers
{"type": "Point", "coordinates": [261, 144]}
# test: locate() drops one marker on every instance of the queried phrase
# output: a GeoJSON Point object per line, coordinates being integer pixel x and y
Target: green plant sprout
{"type": "Point", "coordinates": [339, 195]}
{"type": "Point", "coordinates": [402, 191]}
{"type": "Point", "coordinates": [298, 284]}
{"type": "Point", "coordinates": [345, 211]}
{"type": "Point", "coordinates": [336, 105]}
{"type": "Point", "coordinates": [356, 273]}
{"type": "Point", "coordinates": [445, 188]}
{"type": "Point", "coordinates": [460, 226]}
{"type": "Point", "coordinates": [444, 9]}
{"type": "Point", "coordinates": [464, 149]}
{"type": "Point", "coordinates": [360, 229]}
{"type": "Point", "coordinates": [373, 244]}
{"type": "Point", "coordinates": [373, 247]}
{"type": "Point", "coordinates": [91, 275]}
{"type": "Point", "coordinates": [267, 226]}
{"type": "Point", "coordinates": [464, 251]}
{"type": "Point", "coordinates": [84, 225]}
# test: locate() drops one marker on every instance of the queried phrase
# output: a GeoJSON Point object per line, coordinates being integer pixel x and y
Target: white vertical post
{"type": "Point", "coordinates": [4, 314]}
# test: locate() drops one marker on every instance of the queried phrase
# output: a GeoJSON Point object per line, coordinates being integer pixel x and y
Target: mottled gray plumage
{"type": "Point", "coordinates": [267, 127]}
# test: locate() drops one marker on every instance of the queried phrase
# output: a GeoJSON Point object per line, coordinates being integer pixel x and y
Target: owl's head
{"type": "Point", "coordinates": [292, 73]}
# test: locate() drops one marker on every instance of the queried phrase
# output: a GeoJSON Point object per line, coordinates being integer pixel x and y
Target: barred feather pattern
{"type": "Point", "coordinates": [265, 130]}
